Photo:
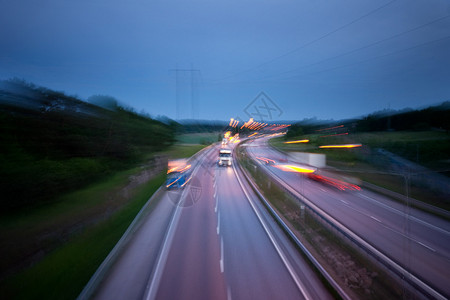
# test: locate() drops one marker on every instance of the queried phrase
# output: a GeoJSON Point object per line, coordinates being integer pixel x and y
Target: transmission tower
{"type": "Point", "coordinates": [186, 90]}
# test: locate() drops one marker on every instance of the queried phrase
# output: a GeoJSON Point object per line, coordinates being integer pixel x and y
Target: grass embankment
{"type": "Point", "coordinates": [64, 242]}
{"type": "Point", "coordinates": [183, 150]}
{"type": "Point", "coordinates": [430, 149]}
{"type": "Point", "coordinates": [361, 278]}
{"type": "Point", "coordinates": [63, 273]}
{"type": "Point", "coordinates": [203, 138]}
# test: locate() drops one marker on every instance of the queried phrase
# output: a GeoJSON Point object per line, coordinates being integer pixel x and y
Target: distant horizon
{"type": "Point", "coordinates": [212, 60]}
{"type": "Point", "coordinates": [225, 121]}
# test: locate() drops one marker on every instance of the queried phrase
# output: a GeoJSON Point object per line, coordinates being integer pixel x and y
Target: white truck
{"type": "Point", "coordinates": [225, 157]}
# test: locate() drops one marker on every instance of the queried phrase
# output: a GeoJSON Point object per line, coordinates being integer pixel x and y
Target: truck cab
{"type": "Point", "coordinates": [225, 157]}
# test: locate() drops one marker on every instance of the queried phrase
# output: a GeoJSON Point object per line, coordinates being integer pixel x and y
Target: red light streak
{"type": "Point", "coordinates": [266, 160]}
{"type": "Point", "coordinates": [340, 126]}
{"type": "Point", "coordinates": [334, 182]}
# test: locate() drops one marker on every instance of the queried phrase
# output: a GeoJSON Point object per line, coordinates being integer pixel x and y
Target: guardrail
{"type": "Point", "coordinates": [90, 288]}
{"type": "Point", "coordinates": [360, 242]}
{"type": "Point", "coordinates": [294, 238]}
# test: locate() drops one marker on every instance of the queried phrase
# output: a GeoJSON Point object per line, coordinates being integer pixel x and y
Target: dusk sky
{"type": "Point", "coordinates": [329, 59]}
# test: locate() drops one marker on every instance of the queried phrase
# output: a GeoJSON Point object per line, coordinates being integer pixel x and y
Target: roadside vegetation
{"type": "Point", "coordinates": [68, 239]}
{"type": "Point", "coordinates": [52, 143]}
{"type": "Point", "coordinates": [202, 138]}
{"type": "Point", "coordinates": [73, 177]}
{"type": "Point", "coordinates": [67, 267]}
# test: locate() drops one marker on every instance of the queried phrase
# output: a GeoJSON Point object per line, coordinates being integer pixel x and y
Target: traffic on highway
{"type": "Point", "coordinates": [216, 242]}
{"type": "Point", "coordinates": [225, 149]}
{"type": "Point", "coordinates": [244, 220]}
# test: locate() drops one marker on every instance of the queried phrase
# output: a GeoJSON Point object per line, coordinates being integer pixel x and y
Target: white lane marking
{"type": "Point", "coordinates": [394, 230]}
{"type": "Point", "coordinates": [228, 293]}
{"type": "Point", "coordinates": [388, 227]}
{"type": "Point", "coordinates": [375, 219]}
{"type": "Point", "coordinates": [153, 285]}
{"type": "Point", "coordinates": [287, 264]}
{"type": "Point", "coordinates": [151, 294]}
{"type": "Point", "coordinates": [426, 246]}
{"type": "Point", "coordinates": [218, 222]}
{"type": "Point", "coordinates": [403, 214]}
{"type": "Point", "coordinates": [217, 204]}
{"type": "Point", "coordinates": [221, 255]}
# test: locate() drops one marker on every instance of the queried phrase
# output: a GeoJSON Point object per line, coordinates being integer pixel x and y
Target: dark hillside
{"type": "Point", "coordinates": [437, 117]}
{"type": "Point", "coordinates": [52, 143]}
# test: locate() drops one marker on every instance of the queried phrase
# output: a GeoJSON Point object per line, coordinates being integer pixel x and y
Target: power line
{"type": "Point", "coordinates": [356, 63]}
{"type": "Point", "coordinates": [193, 91]}
{"type": "Point", "coordinates": [309, 43]}
{"type": "Point", "coordinates": [376, 57]}
{"type": "Point", "coordinates": [361, 48]}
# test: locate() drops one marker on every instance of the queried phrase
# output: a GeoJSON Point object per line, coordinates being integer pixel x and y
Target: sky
{"type": "Point", "coordinates": [210, 59]}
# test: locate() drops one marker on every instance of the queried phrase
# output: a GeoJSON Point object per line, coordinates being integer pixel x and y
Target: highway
{"type": "Point", "coordinates": [418, 241]}
{"type": "Point", "coordinates": [210, 240]}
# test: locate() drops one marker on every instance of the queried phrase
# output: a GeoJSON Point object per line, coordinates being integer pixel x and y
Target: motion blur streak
{"type": "Point", "coordinates": [334, 182]}
{"type": "Point", "coordinates": [218, 247]}
{"type": "Point", "coordinates": [335, 127]}
{"type": "Point", "coordinates": [295, 142]}
{"type": "Point", "coordinates": [266, 160]}
{"type": "Point", "coordinates": [341, 146]}
{"type": "Point", "coordinates": [179, 170]}
{"type": "Point", "coordinates": [291, 168]}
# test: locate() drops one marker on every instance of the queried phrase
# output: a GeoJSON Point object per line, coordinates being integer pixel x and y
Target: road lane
{"type": "Point", "coordinates": [254, 269]}
{"type": "Point", "coordinates": [128, 277]}
{"type": "Point", "coordinates": [192, 270]}
{"type": "Point", "coordinates": [416, 240]}
{"type": "Point", "coordinates": [214, 247]}
{"type": "Point", "coordinates": [221, 250]}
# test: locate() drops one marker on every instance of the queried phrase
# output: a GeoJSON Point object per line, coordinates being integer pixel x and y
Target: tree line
{"type": "Point", "coordinates": [51, 143]}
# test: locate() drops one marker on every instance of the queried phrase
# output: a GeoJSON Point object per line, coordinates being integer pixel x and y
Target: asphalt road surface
{"type": "Point", "coordinates": [210, 240]}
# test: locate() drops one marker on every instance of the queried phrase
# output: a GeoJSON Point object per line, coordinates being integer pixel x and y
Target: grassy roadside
{"type": "Point", "coordinates": [63, 273]}
{"type": "Point", "coordinates": [73, 236]}
{"type": "Point", "coordinates": [204, 138]}
{"type": "Point", "coordinates": [183, 150]}
{"type": "Point", "coordinates": [360, 277]}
